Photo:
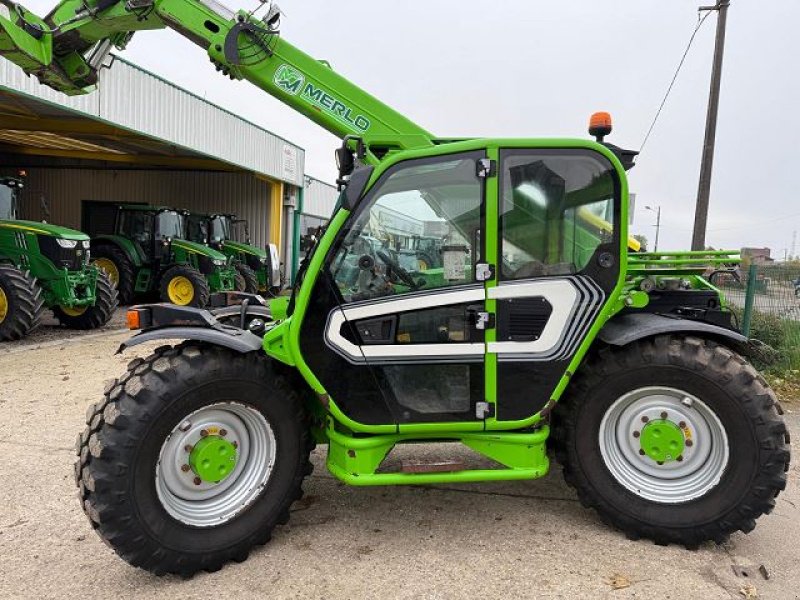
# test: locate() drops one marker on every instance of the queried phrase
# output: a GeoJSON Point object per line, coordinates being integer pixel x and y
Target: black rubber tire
{"type": "Point", "coordinates": [119, 448]}
{"type": "Point", "coordinates": [25, 303]}
{"type": "Point", "coordinates": [248, 278]}
{"type": "Point", "coordinates": [202, 293]}
{"type": "Point", "coordinates": [125, 268]}
{"type": "Point", "coordinates": [105, 305]}
{"type": "Point", "coordinates": [729, 386]}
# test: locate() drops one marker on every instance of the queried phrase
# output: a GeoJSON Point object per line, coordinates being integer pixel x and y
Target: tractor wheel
{"type": "Point", "coordinates": [21, 303]}
{"type": "Point", "coordinates": [246, 278]}
{"type": "Point", "coordinates": [91, 317]}
{"type": "Point", "coordinates": [185, 286]}
{"type": "Point", "coordinates": [192, 458]}
{"type": "Point", "coordinates": [675, 439]}
{"type": "Point", "coordinates": [120, 270]}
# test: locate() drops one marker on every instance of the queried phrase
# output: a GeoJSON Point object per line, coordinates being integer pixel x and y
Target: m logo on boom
{"type": "Point", "coordinates": [289, 79]}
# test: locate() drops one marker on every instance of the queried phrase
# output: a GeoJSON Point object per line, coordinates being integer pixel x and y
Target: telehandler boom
{"type": "Point", "coordinates": [538, 324]}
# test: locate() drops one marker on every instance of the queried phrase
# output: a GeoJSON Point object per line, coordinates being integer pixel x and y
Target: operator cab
{"type": "Point", "coordinates": [9, 187]}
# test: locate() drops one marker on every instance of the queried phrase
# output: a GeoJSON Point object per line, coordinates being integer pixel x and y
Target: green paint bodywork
{"type": "Point", "coordinates": [213, 458]}
{"type": "Point", "coordinates": [314, 89]}
{"type": "Point", "coordinates": [20, 246]}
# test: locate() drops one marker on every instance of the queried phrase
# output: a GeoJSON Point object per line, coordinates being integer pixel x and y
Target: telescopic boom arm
{"type": "Point", "coordinates": [67, 48]}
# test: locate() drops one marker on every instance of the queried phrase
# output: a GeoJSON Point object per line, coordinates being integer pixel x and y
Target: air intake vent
{"type": "Point", "coordinates": [522, 319]}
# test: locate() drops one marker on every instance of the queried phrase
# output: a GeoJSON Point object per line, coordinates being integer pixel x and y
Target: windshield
{"type": "Point", "coordinates": [220, 229]}
{"type": "Point", "coordinates": [169, 224]}
{"type": "Point", "coordinates": [197, 229]}
{"type": "Point", "coordinates": [7, 203]}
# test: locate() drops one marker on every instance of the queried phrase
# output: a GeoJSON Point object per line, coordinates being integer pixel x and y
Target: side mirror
{"type": "Point", "coordinates": [274, 266]}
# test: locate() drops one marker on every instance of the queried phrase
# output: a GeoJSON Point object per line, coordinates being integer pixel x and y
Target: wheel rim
{"type": "Point", "coordinates": [109, 267]}
{"type": "Point", "coordinates": [663, 444]}
{"type": "Point", "coordinates": [180, 290]}
{"type": "Point", "coordinates": [3, 305]}
{"type": "Point", "coordinates": [186, 465]}
{"type": "Point", "coordinates": [73, 311]}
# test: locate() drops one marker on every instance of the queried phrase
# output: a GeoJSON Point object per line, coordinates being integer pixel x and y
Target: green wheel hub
{"type": "Point", "coordinates": [213, 458]}
{"type": "Point", "coordinates": [662, 440]}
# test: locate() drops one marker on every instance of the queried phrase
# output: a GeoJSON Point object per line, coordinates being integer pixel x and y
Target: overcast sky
{"type": "Point", "coordinates": [535, 69]}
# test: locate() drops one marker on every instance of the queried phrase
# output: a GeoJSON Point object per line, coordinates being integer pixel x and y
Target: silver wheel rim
{"type": "Point", "coordinates": [209, 504]}
{"type": "Point", "coordinates": [702, 463]}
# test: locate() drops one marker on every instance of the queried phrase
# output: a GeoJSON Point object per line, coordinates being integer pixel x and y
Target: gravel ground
{"type": "Point", "coordinates": [524, 540]}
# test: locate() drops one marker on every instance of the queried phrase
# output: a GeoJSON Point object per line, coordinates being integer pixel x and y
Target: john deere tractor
{"type": "Point", "coordinates": [539, 329]}
{"type": "Point", "coordinates": [45, 266]}
{"type": "Point", "coordinates": [252, 264]}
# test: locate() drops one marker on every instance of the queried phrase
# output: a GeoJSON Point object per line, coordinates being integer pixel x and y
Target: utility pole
{"type": "Point", "coordinates": [704, 188]}
{"type": "Point", "coordinates": [656, 210]}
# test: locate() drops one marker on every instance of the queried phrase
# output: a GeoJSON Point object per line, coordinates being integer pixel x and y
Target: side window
{"type": "Point", "coordinates": [419, 230]}
{"type": "Point", "coordinates": [556, 208]}
{"type": "Point", "coordinates": [137, 225]}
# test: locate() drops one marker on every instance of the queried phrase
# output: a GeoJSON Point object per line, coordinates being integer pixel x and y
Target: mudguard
{"type": "Point", "coordinates": [627, 328]}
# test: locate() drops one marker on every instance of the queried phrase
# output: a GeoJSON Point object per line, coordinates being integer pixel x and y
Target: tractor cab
{"type": "Point", "coordinates": [8, 197]}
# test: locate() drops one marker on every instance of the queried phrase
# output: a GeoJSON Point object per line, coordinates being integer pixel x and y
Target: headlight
{"type": "Point", "coordinates": [263, 260]}
{"type": "Point", "coordinates": [218, 263]}
{"type": "Point", "coordinates": [66, 243]}
{"type": "Point", "coordinates": [86, 244]}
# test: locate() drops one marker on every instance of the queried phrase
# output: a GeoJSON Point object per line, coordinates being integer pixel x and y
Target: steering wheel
{"type": "Point", "coordinates": [404, 275]}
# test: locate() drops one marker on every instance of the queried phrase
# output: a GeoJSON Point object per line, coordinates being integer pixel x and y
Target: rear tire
{"type": "Point", "coordinates": [682, 499]}
{"type": "Point", "coordinates": [21, 303]}
{"type": "Point", "coordinates": [125, 272]}
{"type": "Point", "coordinates": [94, 316]}
{"type": "Point", "coordinates": [184, 286]}
{"type": "Point", "coordinates": [246, 278]}
{"type": "Point", "coordinates": [122, 452]}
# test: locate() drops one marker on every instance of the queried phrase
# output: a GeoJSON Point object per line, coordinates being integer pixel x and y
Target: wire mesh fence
{"type": "Point", "coordinates": [766, 299]}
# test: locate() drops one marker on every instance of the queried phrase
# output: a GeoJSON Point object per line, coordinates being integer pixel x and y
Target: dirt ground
{"type": "Point", "coordinates": [517, 540]}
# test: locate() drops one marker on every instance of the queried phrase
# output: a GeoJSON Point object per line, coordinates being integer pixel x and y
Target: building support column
{"type": "Point", "coordinates": [276, 213]}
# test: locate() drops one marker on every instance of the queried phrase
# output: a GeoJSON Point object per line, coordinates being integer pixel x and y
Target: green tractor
{"type": "Point", "coordinates": [224, 232]}
{"type": "Point", "coordinates": [540, 330]}
{"type": "Point", "coordinates": [46, 266]}
{"type": "Point", "coordinates": [147, 252]}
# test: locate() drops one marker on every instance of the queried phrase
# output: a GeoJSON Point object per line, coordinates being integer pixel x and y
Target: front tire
{"type": "Point", "coordinates": [676, 439]}
{"type": "Point", "coordinates": [120, 270]}
{"type": "Point", "coordinates": [91, 317]}
{"type": "Point", "coordinates": [134, 448]}
{"type": "Point", "coordinates": [21, 303]}
{"type": "Point", "coordinates": [184, 286]}
{"type": "Point", "coordinates": [246, 279]}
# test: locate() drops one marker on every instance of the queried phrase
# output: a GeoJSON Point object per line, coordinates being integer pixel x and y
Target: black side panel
{"type": "Point", "coordinates": [352, 387]}
{"type": "Point", "coordinates": [523, 388]}
{"type": "Point", "coordinates": [522, 319]}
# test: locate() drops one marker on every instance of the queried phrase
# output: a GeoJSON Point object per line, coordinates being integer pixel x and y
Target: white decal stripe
{"type": "Point", "coordinates": [562, 296]}
{"type": "Point", "coordinates": [356, 313]}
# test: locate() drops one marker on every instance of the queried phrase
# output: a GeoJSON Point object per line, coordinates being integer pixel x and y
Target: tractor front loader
{"type": "Point", "coordinates": [44, 266]}
{"type": "Point", "coordinates": [538, 329]}
{"type": "Point", "coordinates": [147, 252]}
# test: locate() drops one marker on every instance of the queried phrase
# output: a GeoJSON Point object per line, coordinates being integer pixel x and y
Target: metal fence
{"type": "Point", "coordinates": [766, 298]}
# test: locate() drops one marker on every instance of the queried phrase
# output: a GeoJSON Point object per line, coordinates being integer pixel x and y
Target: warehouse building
{"type": "Point", "coordinates": [141, 139]}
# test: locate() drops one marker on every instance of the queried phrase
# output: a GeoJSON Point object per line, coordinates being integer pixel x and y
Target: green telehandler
{"type": "Point", "coordinates": [44, 266]}
{"type": "Point", "coordinates": [539, 329]}
{"type": "Point", "coordinates": [253, 264]}
{"type": "Point", "coordinates": [147, 251]}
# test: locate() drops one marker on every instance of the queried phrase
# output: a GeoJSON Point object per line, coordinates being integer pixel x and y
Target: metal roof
{"type": "Point", "coordinates": [136, 117]}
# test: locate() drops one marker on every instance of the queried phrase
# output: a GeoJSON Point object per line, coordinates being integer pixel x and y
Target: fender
{"type": "Point", "coordinates": [624, 329]}
{"type": "Point", "coordinates": [168, 322]}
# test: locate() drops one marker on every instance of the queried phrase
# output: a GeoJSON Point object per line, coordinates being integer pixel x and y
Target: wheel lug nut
{"type": "Point", "coordinates": [682, 424]}
{"type": "Point", "coordinates": [235, 444]}
{"type": "Point", "coordinates": [197, 481]}
{"type": "Point", "coordinates": [689, 442]}
{"type": "Point", "coordinates": [645, 419]}
{"type": "Point", "coordinates": [223, 432]}
{"type": "Point", "coordinates": [636, 434]}
{"type": "Point", "coordinates": [185, 468]}
{"type": "Point", "coordinates": [659, 462]}
{"type": "Point", "coordinates": [188, 447]}
{"type": "Point", "coordinates": [203, 433]}
{"type": "Point", "coordinates": [664, 415]}
{"type": "Point", "coordinates": [679, 459]}
{"type": "Point", "coordinates": [641, 452]}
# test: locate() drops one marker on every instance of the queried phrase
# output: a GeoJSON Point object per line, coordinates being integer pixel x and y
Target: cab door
{"type": "Point", "coordinates": [403, 342]}
{"type": "Point", "coordinates": [558, 264]}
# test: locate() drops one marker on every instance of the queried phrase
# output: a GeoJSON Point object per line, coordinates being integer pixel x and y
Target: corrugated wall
{"type": "Point", "coordinates": [319, 198]}
{"type": "Point", "coordinates": [135, 99]}
{"type": "Point", "coordinates": [239, 193]}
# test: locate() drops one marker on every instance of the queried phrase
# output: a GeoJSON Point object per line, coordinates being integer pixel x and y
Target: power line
{"type": "Point", "coordinates": [700, 21]}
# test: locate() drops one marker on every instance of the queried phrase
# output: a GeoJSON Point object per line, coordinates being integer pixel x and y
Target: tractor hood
{"type": "Point", "coordinates": [246, 248]}
{"type": "Point", "coordinates": [45, 229]}
{"type": "Point", "coordinates": [196, 248]}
